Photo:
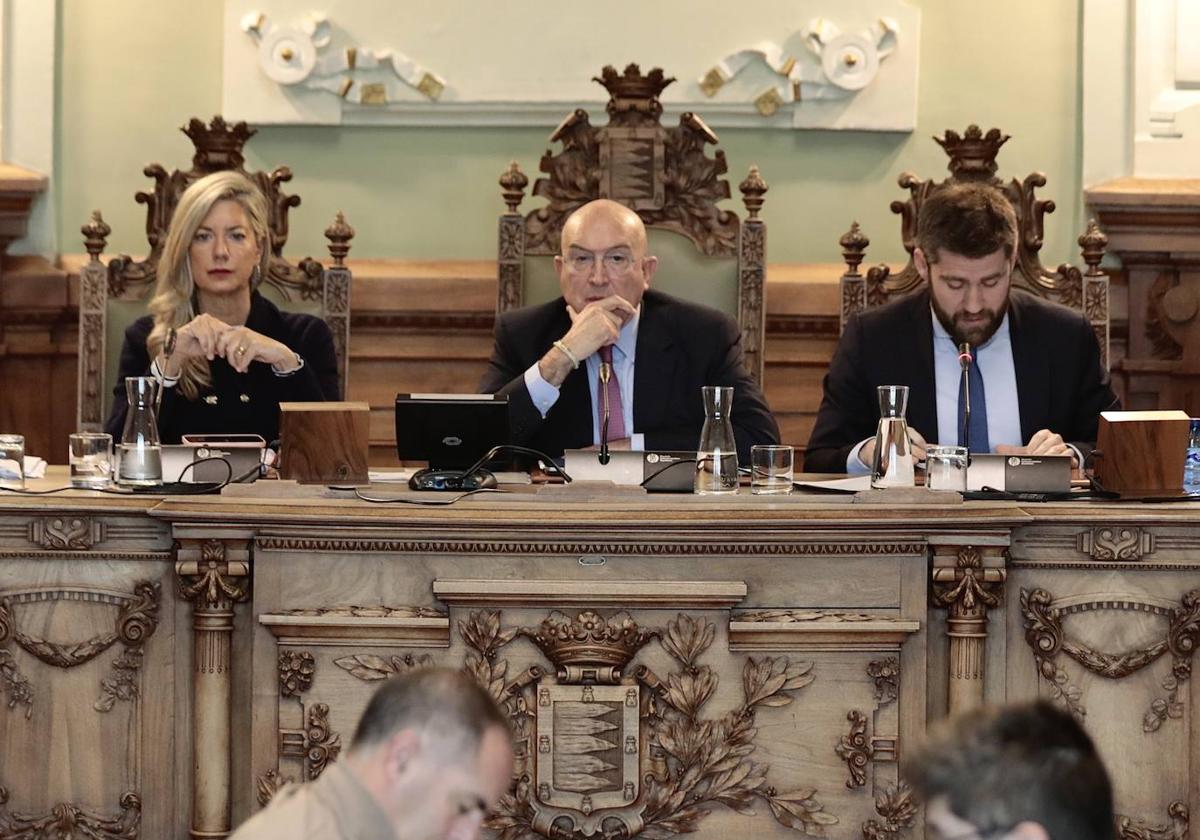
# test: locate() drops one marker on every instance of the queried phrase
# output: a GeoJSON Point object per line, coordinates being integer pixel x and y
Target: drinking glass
{"type": "Point", "coordinates": [12, 461]}
{"type": "Point", "coordinates": [946, 468]}
{"type": "Point", "coordinates": [770, 470]}
{"type": "Point", "coordinates": [90, 458]}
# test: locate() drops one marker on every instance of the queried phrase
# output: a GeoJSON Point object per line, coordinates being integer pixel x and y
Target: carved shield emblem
{"type": "Point", "coordinates": [633, 166]}
{"type": "Point", "coordinates": [588, 746]}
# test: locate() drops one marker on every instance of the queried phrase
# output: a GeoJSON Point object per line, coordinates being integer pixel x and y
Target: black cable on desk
{"type": "Point", "coordinates": [426, 501]}
{"type": "Point", "coordinates": [173, 488]}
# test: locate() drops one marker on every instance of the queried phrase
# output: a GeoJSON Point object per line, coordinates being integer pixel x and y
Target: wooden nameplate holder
{"type": "Point", "coordinates": [1141, 452]}
{"type": "Point", "coordinates": [325, 442]}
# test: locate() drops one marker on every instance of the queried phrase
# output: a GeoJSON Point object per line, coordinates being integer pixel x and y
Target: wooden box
{"type": "Point", "coordinates": [324, 442]}
{"type": "Point", "coordinates": [1139, 451]}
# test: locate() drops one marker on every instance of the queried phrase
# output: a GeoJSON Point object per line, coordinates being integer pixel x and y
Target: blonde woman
{"type": "Point", "coordinates": [225, 354]}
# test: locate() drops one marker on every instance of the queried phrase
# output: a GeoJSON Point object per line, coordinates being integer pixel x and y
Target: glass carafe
{"type": "Point", "coordinates": [716, 455]}
{"type": "Point", "coordinates": [141, 451]}
{"type": "Point", "coordinates": [893, 462]}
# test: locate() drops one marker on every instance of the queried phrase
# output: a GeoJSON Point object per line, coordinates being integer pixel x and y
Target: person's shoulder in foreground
{"type": "Point", "coordinates": [1021, 772]}
{"type": "Point", "coordinates": [430, 757]}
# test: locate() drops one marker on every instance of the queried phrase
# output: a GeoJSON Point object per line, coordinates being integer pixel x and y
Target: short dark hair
{"type": "Point", "coordinates": [1002, 766]}
{"type": "Point", "coordinates": [971, 219]}
{"type": "Point", "coordinates": [446, 702]}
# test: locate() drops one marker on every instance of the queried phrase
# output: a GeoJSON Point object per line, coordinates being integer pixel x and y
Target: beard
{"type": "Point", "coordinates": [975, 332]}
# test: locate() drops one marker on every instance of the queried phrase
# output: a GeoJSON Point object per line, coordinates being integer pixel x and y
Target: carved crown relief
{"type": "Point", "coordinates": [662, 173]}
{"type": "Point", "coordinates": [218, 147]}
{"type": "Point", "coordinates": [972, 158]}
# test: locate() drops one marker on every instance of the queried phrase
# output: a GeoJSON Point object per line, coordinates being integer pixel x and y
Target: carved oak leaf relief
{"type": "Point", "coordinates": [367, 666]}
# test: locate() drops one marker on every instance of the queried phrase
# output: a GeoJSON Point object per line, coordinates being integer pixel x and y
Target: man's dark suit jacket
{"type": "Point", "coordinates": [680, 348]}
{"type": "Point", "coordinates": [1061, 384]}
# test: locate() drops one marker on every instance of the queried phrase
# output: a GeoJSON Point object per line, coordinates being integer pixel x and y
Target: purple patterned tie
{"type": "Point", "coordinates": [616, 413]}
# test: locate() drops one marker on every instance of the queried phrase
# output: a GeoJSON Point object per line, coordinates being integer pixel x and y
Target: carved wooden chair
{"type": "Point", "coordinates": [115, 294]}
{"type": "Point", "coordinates": [706, 254]}
{"type": "Point", "coordinates": [973, 158]}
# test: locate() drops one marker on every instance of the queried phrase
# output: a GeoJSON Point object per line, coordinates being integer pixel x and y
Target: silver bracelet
{"type": "Point", "coordinates": [566, 351]}
{"type": "Point", "coordinates": [299, 366]}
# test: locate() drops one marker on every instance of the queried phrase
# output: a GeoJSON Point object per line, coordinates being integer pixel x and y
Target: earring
{"type": "Point", "coordinates": [255, 277]}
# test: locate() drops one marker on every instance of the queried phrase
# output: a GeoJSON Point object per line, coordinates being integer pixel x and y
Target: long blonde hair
{"type": "Point", "coordinates": [174, 304]}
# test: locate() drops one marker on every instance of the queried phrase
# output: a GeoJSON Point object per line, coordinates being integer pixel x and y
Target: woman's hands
{"type": "Point", "coordinates": [211, 337]}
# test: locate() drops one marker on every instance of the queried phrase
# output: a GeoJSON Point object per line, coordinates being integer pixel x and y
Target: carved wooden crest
{"type": "Point", "coordinates": [218, 147]}
{"type": "Point", "coordinates": [662, 173]}
{"type": "Point", "coordinates": [607, 748]}
{"type": "Point", "coordinates": [972, 158]}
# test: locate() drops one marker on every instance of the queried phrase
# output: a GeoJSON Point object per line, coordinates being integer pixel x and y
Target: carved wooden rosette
{"type": "Point", "coordinates": [212, 575]}
{"type": "Point", "coordinates": [968, 581]}
{"type": "Point", "coordinates": [858, 748]}
{"type": "Point", "coordinates": [68, 820]}
{"type": "Point", "coordinates": [972, 158]}
{"type": "Point", "coordinates": [1046, 637]}
{"type": "Point", "coordinates": [134, 623]}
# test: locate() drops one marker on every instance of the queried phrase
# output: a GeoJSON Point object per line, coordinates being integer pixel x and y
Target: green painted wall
{"type": "Point", "coordinates": [132, 72]}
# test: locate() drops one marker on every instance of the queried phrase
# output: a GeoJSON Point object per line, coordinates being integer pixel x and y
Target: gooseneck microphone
{"type": "Point", "coordinates": [605, 375]}
{"type": "Point", "coordinates": [965, 359]}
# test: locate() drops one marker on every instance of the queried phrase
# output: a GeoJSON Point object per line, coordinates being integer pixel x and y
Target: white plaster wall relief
{"type": "Point", "coordinates": [290, 54]}
{"type": "Point", "coordinates": [845, 65]}
{"type": "Point", "coordinates": [837, 64]}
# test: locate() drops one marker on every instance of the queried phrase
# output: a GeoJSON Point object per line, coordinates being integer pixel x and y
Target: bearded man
{"type": "Point", "coordinates": [1037, 385]}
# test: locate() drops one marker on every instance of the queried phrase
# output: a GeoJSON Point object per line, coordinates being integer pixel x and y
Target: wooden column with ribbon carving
{"type": "Point", "coordinates": [213, 575]}
{"type": "Point", "coordinates": [968, 580]}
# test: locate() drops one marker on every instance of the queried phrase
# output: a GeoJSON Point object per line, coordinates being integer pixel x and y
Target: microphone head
{"type": "Point", "coordinates": [965, 357]}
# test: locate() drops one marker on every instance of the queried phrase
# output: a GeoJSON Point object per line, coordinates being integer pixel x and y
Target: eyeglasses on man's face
{"type": "Point", "coordinates": [616, 263]}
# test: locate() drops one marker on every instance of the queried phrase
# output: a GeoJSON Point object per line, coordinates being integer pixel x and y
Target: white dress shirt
{"type": "Point", "coordinates": [545, 395]}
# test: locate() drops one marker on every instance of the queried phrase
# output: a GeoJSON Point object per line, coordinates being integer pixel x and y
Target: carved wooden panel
{"type": "Point", "coordinates": [1112, 640]}
{"type": "Point", "coordinates": [653, 706]}
{"type": "Point", "coordinates": [88, 706]}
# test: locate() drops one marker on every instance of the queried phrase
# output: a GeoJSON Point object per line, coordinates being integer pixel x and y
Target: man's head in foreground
{"type": "Point", "coordinates": [1026, 772]}
{"type": "Point", "coordinates": [966, 248]}
{"type": "Point", "coordinates": [434, 751]}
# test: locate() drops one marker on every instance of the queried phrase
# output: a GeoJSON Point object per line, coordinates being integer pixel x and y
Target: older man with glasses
{"type": "Point", "coordinates": [610, 335]}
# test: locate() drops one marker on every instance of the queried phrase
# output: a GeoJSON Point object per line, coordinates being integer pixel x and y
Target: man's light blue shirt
{"type": "Point", "coordinates": [545, 395]}
{"type": "Point", "coordinates": [995, 360]}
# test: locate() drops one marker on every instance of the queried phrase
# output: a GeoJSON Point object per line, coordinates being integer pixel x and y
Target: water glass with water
{"type": "Point", "coordinates": [946, 468]}
{"type": "Point", "coordinates": [12, 461]}
{"type": "Point", "coordinates": [770, 470]}
{"type": "Point", "coordinates": [90, 458]}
